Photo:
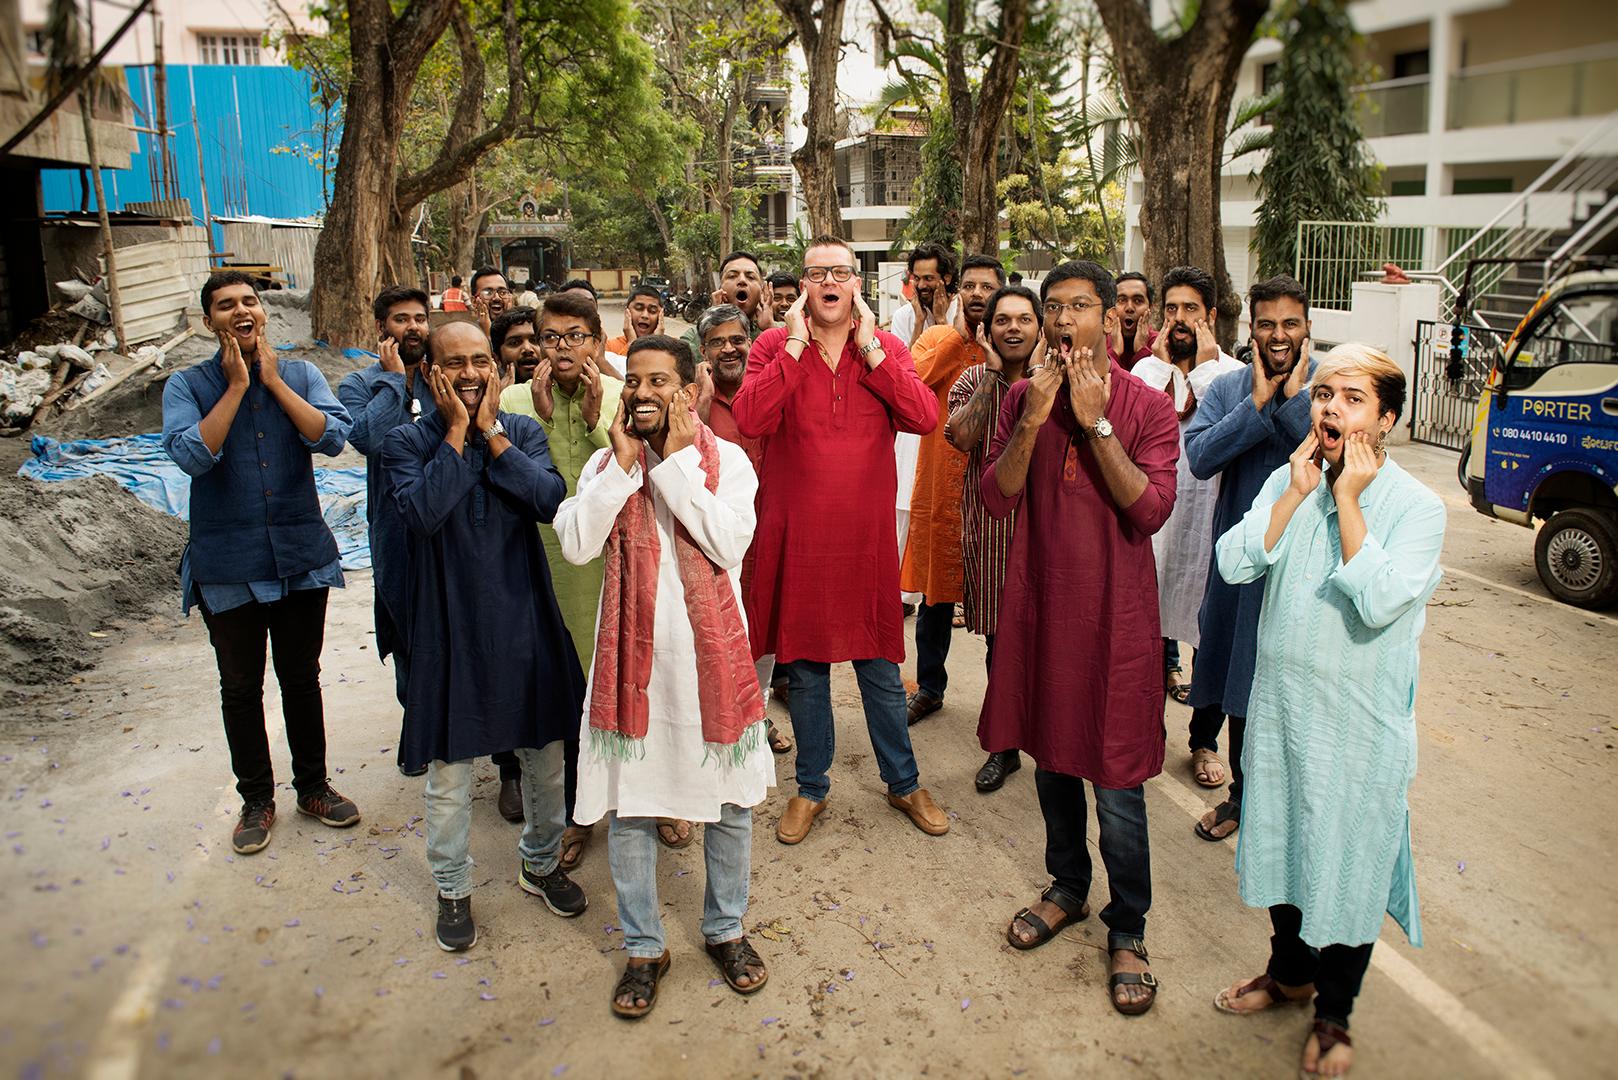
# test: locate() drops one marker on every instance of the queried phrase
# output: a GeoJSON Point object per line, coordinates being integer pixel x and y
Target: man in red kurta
{"type": "Point", "coordinates": [827, 394]}
{"type": "Point", "coordinates": [1085, 456]}
{"type": "Point", "coordinates": [932, 556]}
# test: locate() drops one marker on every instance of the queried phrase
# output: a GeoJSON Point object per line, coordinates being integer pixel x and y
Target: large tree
{"type": "Point", "coordinates": [819, 27]}
{"type": "Point", "coordinates": [1179, 88]}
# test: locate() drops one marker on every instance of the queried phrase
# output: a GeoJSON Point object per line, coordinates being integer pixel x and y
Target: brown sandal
{"type": "Point", "coordinates": [672, 825]}
{"type": "Point", "coordinates": [575, 838]}
{"type": "Point", "coordinates": [1071, 906]}
{"type": "Point", "coordinates": [779, 743]}
{"type": "Point", "coordinates": [639, 981]}
{"type": "Point", "coordinates": [1327, 1033]}
{"type": "Point", "coordinates": [734, 958]}
{"type": "Point", "coordinates": [1201, 758]}
{"type": "Point", "coordinates": [1278, 995]}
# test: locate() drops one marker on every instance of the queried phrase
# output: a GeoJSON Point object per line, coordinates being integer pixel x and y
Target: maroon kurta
{"type": "Point", "coordinates": [825, 580]}
{"type": "Point", "coordinates": [1077, 680]}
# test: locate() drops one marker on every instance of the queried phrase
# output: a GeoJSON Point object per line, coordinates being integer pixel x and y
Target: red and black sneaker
{"type": "Point", "coordinates": [330, 808]}
{"type": "Point", "coordinates": [252, 832]}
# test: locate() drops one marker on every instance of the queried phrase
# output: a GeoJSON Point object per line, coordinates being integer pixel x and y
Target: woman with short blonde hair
{"type": "Point", "coordinates": [1347, 543]}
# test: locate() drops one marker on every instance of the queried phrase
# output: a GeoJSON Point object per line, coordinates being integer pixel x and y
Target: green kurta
{"type": "Point", "coordinates": [572, 441]}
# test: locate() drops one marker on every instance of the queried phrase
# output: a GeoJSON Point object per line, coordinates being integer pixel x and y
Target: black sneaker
{"type": "Point", "coordinates": [252, 832]}
{"type": "Point", "coordinates": [456, 930]}
{"type": "Point", "coordinates": [561, 893]}
{"type": "Point", "coordinates": [330, 808]}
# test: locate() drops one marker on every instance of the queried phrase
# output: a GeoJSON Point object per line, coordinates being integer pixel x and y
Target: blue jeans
{"type": "Point", "coordinates": [883, 693]}
{"type": "Point", "coordinates": [727, 850]}
{"type": "Point", "coordinates": [449, 817]}
{"type": "Point", "coordinates": [934, 624]}
{"type": "Point", "coordinates": [1122, 817]}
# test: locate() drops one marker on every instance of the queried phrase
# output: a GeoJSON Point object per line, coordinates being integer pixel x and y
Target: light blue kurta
{"type": "Point", "coordinates": [1330, 748]}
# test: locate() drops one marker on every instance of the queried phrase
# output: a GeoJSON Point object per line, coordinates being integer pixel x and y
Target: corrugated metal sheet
{"type": "Point", "coordinates": [291, 247]}
{"type": "Point", "coordinates": [295, 253]}
{"type": "Point", "coordinates": [261, 141]}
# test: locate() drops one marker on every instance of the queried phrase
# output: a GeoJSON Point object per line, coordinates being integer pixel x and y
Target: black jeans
{"type": "Point", "coordinates": [1336, 970]}
{"type": "Point", "coordinates": [934, 625]}
{"type": "Point", "coordinates": [295, 627]}
{"type": "Point", "coordinates": [1205, 724]}
{"type": "Point", "coordinates": [1124, 850]}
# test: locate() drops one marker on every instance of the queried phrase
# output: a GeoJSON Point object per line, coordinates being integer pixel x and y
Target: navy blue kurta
{"type": "Point", "coordinates": [492, 667]}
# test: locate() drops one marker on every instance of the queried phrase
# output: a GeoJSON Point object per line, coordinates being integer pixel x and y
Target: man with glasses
{"type": "Point", "coordinates": [1084, 456]}
{"type": "Point", "coordinates": [575, 403]}
{"type": "Point", "coordinates": [826, 394]}
{"type": "Point", "coordinates": [491, 294]}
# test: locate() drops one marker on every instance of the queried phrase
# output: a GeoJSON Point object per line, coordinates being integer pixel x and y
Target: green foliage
{"type": "Point", "coordinates": [936, 200]}
{"type": "Point", "coordinates": [1318, 167]}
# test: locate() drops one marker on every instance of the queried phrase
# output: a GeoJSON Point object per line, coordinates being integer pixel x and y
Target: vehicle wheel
{"type": "Point", "coordinates": [694, 310]}
{"type": "Point", "coordinates": [1577, 558]}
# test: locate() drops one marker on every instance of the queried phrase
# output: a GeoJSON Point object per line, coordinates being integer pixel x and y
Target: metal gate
{"type": "Point", "coordinates": [1444, 401]}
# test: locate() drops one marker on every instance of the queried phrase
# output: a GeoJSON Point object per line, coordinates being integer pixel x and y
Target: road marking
{"type": "Point", "coordinates": [1551, 600]}
{"type": "Point", "coordinates": [1479, 1034]}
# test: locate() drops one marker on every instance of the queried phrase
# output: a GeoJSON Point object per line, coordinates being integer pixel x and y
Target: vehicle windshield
{"type": "Point", "coordinates": [1582, 328]}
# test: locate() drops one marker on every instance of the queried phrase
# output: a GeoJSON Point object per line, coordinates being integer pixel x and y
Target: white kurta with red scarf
{"type": "Point", "coordinates": [668, 776]}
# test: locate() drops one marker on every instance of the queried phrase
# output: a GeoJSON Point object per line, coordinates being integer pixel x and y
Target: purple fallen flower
{"type": "Point", "coordinates": [486, 996]}
{"type": "Point", "coordinates": [768, 1020]}
{"type": "Point", "coordinates": [547, 1021]}
{"type": "Point", "coordinates": [966, 1003]}
{"type": "Point", "coordinates": [716, 982]}
{"type": "Point", "coordinates": [214, 1047]}
{"type": "Point", "coordinates": [1460, 868]}
{"type": "Point", "coordinates": [320, 991]}
{"type": "Point", "coordinates": [559, 1070]}
{"type": "Point", "coordinates": [292, 922]}
{"type": "Point", "coordinates": [439, 975]}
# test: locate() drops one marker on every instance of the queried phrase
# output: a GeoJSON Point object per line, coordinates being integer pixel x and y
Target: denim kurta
{"type": "Point", "coordinates": [491, 665]}
{"type": "Point", "coordinates": [377, 401]}
{"type": "Point", "coordinates": [1230, 439]}
{"type": "Point", "coordinates": [1330, 748]}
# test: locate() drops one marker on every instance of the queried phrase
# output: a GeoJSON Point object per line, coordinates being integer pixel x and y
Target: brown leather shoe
{"type": "Point", "coordinates": [920, 808]}
{"type": "Point", "coordinates": [799, 817]}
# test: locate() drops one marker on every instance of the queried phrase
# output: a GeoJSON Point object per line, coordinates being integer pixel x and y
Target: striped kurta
{"type": "Point", "coordinates": [985, 541]}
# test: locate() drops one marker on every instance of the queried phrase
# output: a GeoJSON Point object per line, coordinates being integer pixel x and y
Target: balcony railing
{"type": "Point", "coordinates": [1541, 88]}
{"type": "Point", "coordinates": [1395, 107]}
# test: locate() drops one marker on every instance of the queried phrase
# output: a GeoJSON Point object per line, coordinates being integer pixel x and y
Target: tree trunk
{"type": "Point", "coordinates": [465, 222]}
{"type": "Point", "coordinates": [980, 164]}
{"type": "Point", "coordinates": [820, 34]}
{"type": "Point", "coordinates": [724, 174]}
{"type": "Point", "coordinates": [1179, 93]}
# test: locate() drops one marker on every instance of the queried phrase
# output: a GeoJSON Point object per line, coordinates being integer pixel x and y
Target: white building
{"type": "Point", "coordinates": [229, 32]}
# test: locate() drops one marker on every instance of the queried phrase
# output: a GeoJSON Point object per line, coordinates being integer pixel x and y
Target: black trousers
{"type": "Point", "coordinates": [1205, 724]}
{"type": "Point", "coordinates": [1336, 970]}
{"type": "Point", "coordinates": [1124, 850]}
{"type": "Point", "coordinates": [295, 627]}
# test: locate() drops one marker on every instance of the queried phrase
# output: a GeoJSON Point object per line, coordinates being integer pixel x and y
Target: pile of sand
{"type": "Point", "coordinates": [81, 557]}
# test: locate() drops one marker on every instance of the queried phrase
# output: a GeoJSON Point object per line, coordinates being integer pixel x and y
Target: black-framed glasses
{"type": "Point", "coordinates": [574, 338]}
{"type": "Point", "coordinates": [817, 274]}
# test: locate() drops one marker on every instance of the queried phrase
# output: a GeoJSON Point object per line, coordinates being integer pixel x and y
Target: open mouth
{"type": "Point", "coordinates": [741, 296]}
{"type": "Point", "coordinates": [645, 412]}
{"type": "Point", "coordinates": [1331, 435]}
{"type": "Point", "coordinates": [1064, 344]}
{"type": "Point", "coordinates": [469, 393]}
{"type": "Point", "coordinates": [1280, 355]}
{"type": "Point", "coordinates": [245, 327]}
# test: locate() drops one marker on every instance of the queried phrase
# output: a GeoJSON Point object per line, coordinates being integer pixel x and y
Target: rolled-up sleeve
{"type": "Point", "coordinates": [182, 429]}
{"type": "Point", "coordinates": [1385, 580]}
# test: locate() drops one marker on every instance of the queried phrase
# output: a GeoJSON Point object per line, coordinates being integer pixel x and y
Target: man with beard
{"type": "Point", "coordinates": [244, 426]}
{"type": "Point", "coordinates": [1011, 345]}
{"type": "Point", "coordinates": [515, 337]}
{"type": "Point", "coordinates": [725, 344]}
{"type": "Point", "coordinates": [492, 665]}
{"type": "Point", "coordinates": [741, 283]}
{"type": "Point", "coordinates": [783, 294]}
{"type": "Point", "coordinates": [827, 394]}
{"type": "Point", "coordinates": [491, 294]}
{"type": "Point", "coordinates": [643, 315]}
{"type": "Point", "coordinates": [1185, 362]}
{"type": "Point", "coordinates": [1247, 426]}
{"type": "Point", "coordinates": [1084, 453]}
{"type": "Point", "coordinates": [932, 554]}
{"type": "Point", "coordinates": [574, 403]}
{"type": "Point", "coordinates": [380, 397]}
{"type": "Point", "coordinates": [1133, 338]}
{"type": "Point", "coordinates": [931, 268]}
{"type": "Point", "coordinates": [674, 715]}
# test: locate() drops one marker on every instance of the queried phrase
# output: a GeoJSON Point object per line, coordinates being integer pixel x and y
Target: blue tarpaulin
{"type": "Point", "coordinates": [141, 466]}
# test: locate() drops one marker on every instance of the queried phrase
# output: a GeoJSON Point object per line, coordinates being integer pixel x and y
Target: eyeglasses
{"type": "Point", "coordinates": [1054, 309]}
{"type": "Point", "coordinates": [817, 274]}
{"type": "Point", "coordinates": [572, 337]}
{"type": "Point", "coordinates": [494, 292]}
{"type": "Point", "coordinates": [739, 341]}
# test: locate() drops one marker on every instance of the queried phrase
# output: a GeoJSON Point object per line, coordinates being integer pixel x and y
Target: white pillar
{"type": "Point", "coordinates": [1443, 54]}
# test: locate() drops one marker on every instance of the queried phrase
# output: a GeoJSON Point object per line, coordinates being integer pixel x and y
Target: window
{"type": "Point", "coordinates": [1409, 65]}
{"type": "Point", "coordinates": [237, 50]}
{"type": "Point", "coordinates": [36, 43]}
{"type": "Point", "coordinates": [1580, 329]}
{"type": "Point", "coordinates": [1269, 80]}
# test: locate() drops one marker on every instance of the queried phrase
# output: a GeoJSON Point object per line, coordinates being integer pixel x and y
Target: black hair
{"type": "Point", "coordinates": [1014, 277]}
{"type": "Point", "coordinates": [218, 281]}
{"type": "Point", "coordinates": [396, 294]}
{"type": "Point", "coordinates": [734, 255]}
{"type": "Point", "coordinates": [486, 271]}
{"type": "Point", "coordinates": [561, 302]}
{"type": "Point", "coordinates": [783, 280]}
{"type": "Point", "coordinates": [1012, 290]}
{"type": "Point", "coordinates": [930, 250]}
{"type": "Point", "coordinates": [579, 283]}
{"type": "Point", "coordinates": [684, 363]}
{"type": "Point", "coordinates": [1274, 289]}
{"type": "Point", "coordinates": [1082, 270]}
{"type": "Point", "coordinates": [644, 290]}
{"type": "Point", "coordinates": [1136, 275]}
{"type": "Point", "coordinates": [506, 320]}
{"type": "Point", "coordinates": [984, 262]}
{"type": "Point", "coordinates": [455, 282]}
{"type": "Point", "coordinates": [1193, 277]}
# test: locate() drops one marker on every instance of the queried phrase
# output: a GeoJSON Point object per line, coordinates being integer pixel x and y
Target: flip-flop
{"type": "Point", "coordinates": [779, 743]}
{"type": "Point", "coordinates": [1278, 997]}
{"type": "Point", "coordinates": [575, 838]}
{"type": "Point", "coordinates": [670, 824]}
{"type": "Point", "coordinates": [1225, 811]}
{"type": "Point", "coordinates": [1199, 762]}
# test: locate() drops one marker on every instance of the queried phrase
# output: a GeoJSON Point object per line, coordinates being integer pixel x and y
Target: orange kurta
{"type": "Point", "coordinates": [933, 562]}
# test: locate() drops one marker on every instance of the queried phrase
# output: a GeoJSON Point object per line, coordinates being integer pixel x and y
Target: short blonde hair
{"type": "Point", "coordinates": [1353, 358]}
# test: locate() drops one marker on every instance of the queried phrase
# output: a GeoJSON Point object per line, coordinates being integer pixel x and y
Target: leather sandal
{"type": "Point", "coordinates": [1043, 932]}
{"type": "Point", "coordinates": [1136, 945]}
{"type": "Point", "coordinates": [1327, 1033]}
{"type": "Point", "coordinates": [672, 825]}
{"type": "Point", "coordinates": [920, 706]}
{"type": "Point", "coordinates": [734, 958]}
{"type": "Point", "coordinates": [639, 981]}
{"type": "Point", "coordinates": [1225, 812]}
{"type": "Point", "coordinates": [1278, 995]}
{"type": "Point", "coordinates": [575, 838]}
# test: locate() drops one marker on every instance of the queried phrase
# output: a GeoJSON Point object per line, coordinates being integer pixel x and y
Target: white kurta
{"type": "Point", "coordinates": [1183, 547]}
{"type": "Point", "coordinates": [670, 779]}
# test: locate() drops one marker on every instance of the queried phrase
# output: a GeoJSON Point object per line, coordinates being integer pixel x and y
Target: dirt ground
{"type": "Point", "coordinates": [143, 947]}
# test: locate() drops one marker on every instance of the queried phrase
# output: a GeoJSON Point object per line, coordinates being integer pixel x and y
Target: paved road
{"type": "Point", "coordinates": [140, 946]}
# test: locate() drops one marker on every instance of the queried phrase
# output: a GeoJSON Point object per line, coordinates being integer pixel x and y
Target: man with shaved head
{"type": "Point", "coordinates": [492, 666]}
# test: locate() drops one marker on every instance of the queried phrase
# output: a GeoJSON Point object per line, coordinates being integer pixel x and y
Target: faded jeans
{"type": "Point", "coordinates": [449, 817]}
{"type": "Point", "coordinates": [727, 848]}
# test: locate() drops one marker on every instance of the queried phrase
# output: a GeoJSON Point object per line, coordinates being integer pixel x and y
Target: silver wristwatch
{"type": "Point", "coordinates": [497, 428]}
{"type": "Point", "coordinates": [1103, 428]}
